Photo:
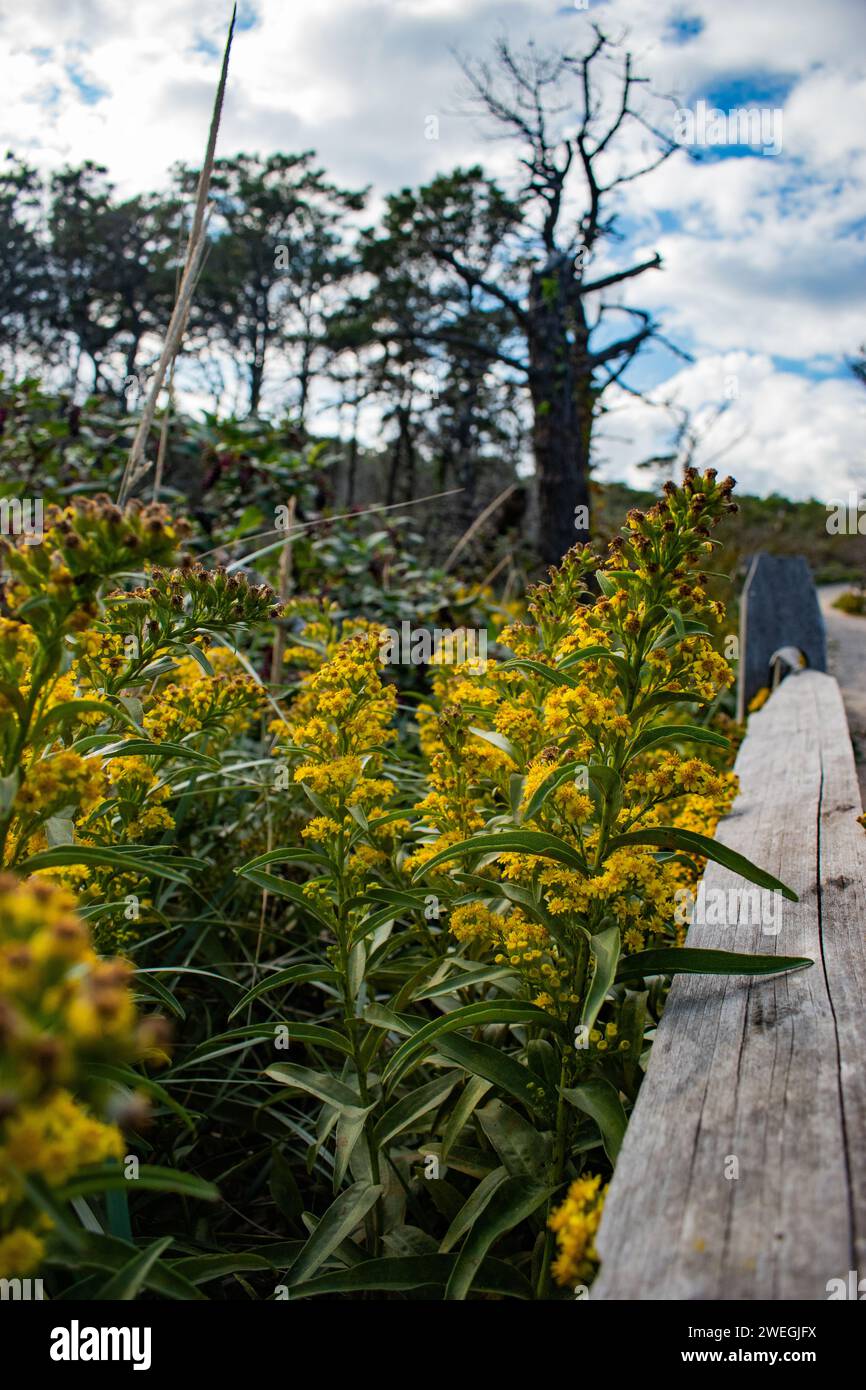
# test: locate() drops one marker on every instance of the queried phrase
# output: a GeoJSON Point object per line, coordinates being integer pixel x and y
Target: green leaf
{"type": "Point", "coordinates": [318, 802]}
{"type": "Point", "coordinates": [369, 924]}
{"type": "Point", "coordinates": [596, 654]}
{"type": "Point", "coordinates": [478, 1199]}
{"type": "Point", "coordinates": [350, 1127]}
{"type": "Point", "coordinates": [605, 948]}
{"type": "Point", "coordinates": [676, 618]}
{"type": "Point", "coordinates": [198, 656]}
{"type": "Point", "coordinates": [150, 970]}
{"type": "Point", "coordinates": [470, 1016]}
{"type": "Point", "coordinates": [355, 968]}
{"type": "Point", "coordinates": [692, 960]}
{"type": "Point", "coordinates": [99, 855]}
{"type": "Point", "coordinates": [513, 1202]}
{"type": "Point", "coordinates": [8, 791]}
{"type": "Point", "coordinates": [555, 675]}
{"type": "Point", "coordinates": [73, 710]}
{"type": "Point", "coordinates": [312, 1033]}
{"type": "Point", "coordinates": [632, 1019]}
{"type": "Point", "coordinates": [108, 1253]}
{"type": "Point", "coordinates": [479, 1059]}
{"type": "Point", "coordinates": [163, 994]}
{"type": "Point", "coordinates": [499, 741]}
{"type": "Point", "coordinates": [200, 1269]}
{"type": "Point", "coordinates": [319, 1084]}
{"type": "Point", "coordinates": [110, 1178]}
{"type": "Point", "coordinates": [669, 837]}
{"type": "Point", "coordinates": [339, 1221]}
{"type": "Point", "coordinates": [11, 692]}
{"type": "Point", "coordinates": [59, 830]}
{"type": "Point", "coordinates": [600, 1100]}
{"type": "Point", "coordinates": [524, 1151]}
{"type": "Point", "coordinates": [47, 1201]}
{"type": "Point", "coordinates": [292, 975]}
{"type": "Point", "coordinates": [412, 899]}
{"type": "Point", "coordinates": [398, 1273]}
{"type": "Point", "coordinates": [472, 1095]}
{"type": "Point", "coordinates": [125, 1076]}
{"type": "Point", "coordinates": [509, 842]}
{"type": "Point", "coordinates": [464, 979]}
{"type": "Point", "coordinates": [412, 1107]}
{"type": "Point", "coordinates": [135, 709]}
{"type": "Point", "coordinates": [143, 748]}
{"type": "Point", "coordinates": [545, 788]}
{"type": "Point", "coordinates": [125, 1284]}
{"type": "Point", "coordinates": [281, 888]}
{"type": "Point", "coordinates": [688, 627]}
{"type": "Point", "coordinates": [605, 785]}
{"type": "Point", "coordinates": [494, 1065]}
{"type": "Point", "coordinates": [285, 855]}
{"type": "Point", "coordinates": [535, 905]}
{"type": "Point", "coordinates": [543, 1060]}
{"type": "Point", "coordinates": [117, 1213]}
{"type": "Point", "coordinates": [674, 733]}
{"type": "Point", "coordinates": [606, 584]}
{"type": "Point", "coordinates": [667, 697]}
{"type": "Point", "coordinates": [284, 1189]}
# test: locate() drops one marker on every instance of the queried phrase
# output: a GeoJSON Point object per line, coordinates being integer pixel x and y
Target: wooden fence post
{"type": "Point", "coordinates": [779, 608]}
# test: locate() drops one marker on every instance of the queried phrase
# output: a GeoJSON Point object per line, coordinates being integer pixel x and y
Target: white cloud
{"type": "Point", "coordinates": [781, 432]}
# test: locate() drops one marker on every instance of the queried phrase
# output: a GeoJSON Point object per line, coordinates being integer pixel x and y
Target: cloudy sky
{"type": "Point", "coordinates": [764, 279]}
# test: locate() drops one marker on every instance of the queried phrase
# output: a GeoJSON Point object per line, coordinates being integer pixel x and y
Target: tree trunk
{"type": "Point", "coordinates": [352, 471]}
{"type": "Point", "coordinates": [256, 378]}
{"type": "Point", "coordinates": [129, 369]}
{"type": "Point", "coordinates": [391, 488]}
{"type": "Point", "coordinates": [463, 444]}
{"type": "Point", "coordinates": [403, 452]}
{"type": "Point", "coordinates": [561, 429]}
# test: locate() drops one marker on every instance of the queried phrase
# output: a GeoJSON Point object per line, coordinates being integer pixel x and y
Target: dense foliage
{"type": "Point", "coordinates": [411, 935]}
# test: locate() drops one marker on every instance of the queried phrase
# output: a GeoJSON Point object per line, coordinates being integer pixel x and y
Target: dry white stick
{"type": "Point", "coordinates": [478, 523]}
{"type": "Point", "coordinates": [135, 465]}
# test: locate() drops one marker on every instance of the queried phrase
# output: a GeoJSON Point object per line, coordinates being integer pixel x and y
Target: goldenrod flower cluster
{"type": "Point", "coordinates": [575, 1224]}
{"type": "Point", "coordinates": [343, 709]}
{"type": "Point", "coordinates": [85, 543]}
{"type": "Point", "coordinates": [68, 641]}
{"type": "Point", "coordinates": [193, 701]}
{"type": "Point", "coordinates": [525, 946]}
{"type": "Point", "coordinates": [207, 598]}
{"type": "Point", "coordinates": [17, 648]}
{"type": "Point", "coordinates": [321, 628]}
{"type": "Point", "coordinates": [591, 674]}
{"type": "Point", "coordinates": [336, 735]}
{"type": "Point", "coordinates": [61, 1010]}
{"type": "Point", "coordinates": [56, 780]}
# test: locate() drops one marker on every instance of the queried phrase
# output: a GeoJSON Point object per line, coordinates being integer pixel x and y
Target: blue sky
{"type": "Point", "coordinates": [764, 279]}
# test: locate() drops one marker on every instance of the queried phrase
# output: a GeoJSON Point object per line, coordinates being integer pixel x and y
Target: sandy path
{"type": "Point", "coordinates": [846, 657]}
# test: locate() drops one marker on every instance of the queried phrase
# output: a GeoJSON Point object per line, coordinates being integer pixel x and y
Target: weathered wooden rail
{"type": "Point", "coordinates": [743, 1171]}
{"type": "Point", "coordinates": [779, 609]}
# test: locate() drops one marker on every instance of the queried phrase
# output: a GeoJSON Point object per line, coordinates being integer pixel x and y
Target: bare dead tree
{"type": "Point", "coordinates": [572, 118]}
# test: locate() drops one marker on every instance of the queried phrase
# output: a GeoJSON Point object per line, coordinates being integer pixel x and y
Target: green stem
{"type": "Point", "coordinates": [372, 1219]}
{"type": "Point", "coordinates": [555, 1175]}
{"type": "Point", "coordinates": [559, 1156]}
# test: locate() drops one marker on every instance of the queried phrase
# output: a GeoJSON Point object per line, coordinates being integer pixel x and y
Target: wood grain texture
{"type": "Point", "coordinates": [769, 1071]}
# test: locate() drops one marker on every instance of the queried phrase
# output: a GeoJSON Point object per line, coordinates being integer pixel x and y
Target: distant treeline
{"type": "Point", "coordinates": [477, 328]}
